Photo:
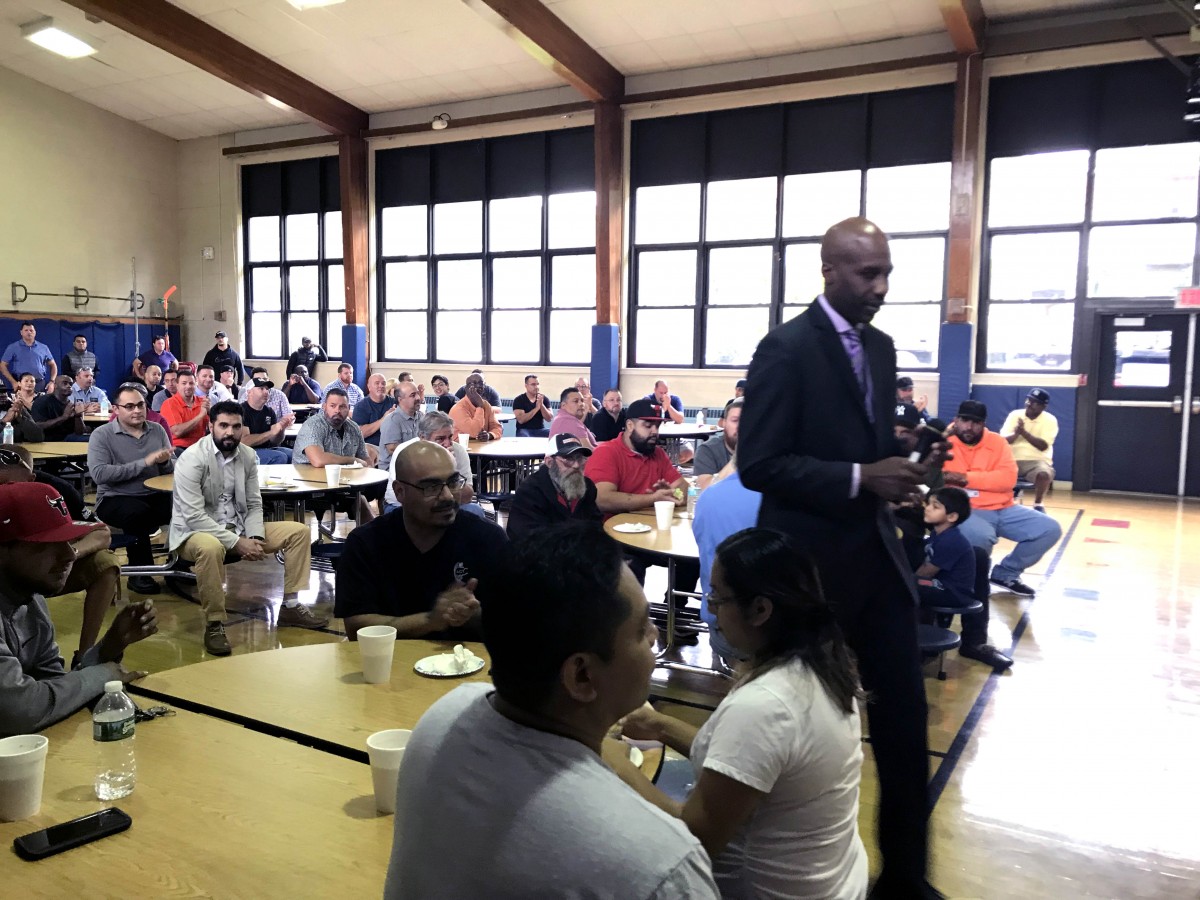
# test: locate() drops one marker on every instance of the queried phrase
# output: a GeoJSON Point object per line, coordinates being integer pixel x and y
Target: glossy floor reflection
{"type": "Point", "coordinates": [1073, 775]}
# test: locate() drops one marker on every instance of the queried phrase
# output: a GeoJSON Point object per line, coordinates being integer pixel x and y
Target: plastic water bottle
{"type": "Point", "coordinates": [700, 417]}
{"type": "Point", "coordinates": [105, 406]}
{"type": "Point", "coordinates": [693, 493]}
{"type": "Point", "coordinates": [112, 733]}
{"type": "Point", "coordinates": [8, 433]}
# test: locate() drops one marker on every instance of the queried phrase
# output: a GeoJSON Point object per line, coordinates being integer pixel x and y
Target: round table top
{"type": "Point", "coordinates": [685, 430]}
{"type": "Point", "coordinates": [285, 480]}
{"type": "Point", "coordinates": [95, 419]}
{"type": "Point", "coordinates": [57, 448]}
{"type": "Point", "coordinates": [678, 541]}
{"type": "Point", "coordinates": [510, 448]}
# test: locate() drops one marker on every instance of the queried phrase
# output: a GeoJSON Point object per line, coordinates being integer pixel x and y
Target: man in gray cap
{"type": "Point", "coordinates": [1031, 432]}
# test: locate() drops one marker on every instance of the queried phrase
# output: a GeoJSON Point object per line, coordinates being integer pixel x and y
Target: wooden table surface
{"type": "Point", "coordinates": [510, 448]}
{"type": "Point", "coordinates": [45, 449]}
{"type": "Point", "coordinates": [678, 542]}
{"type": "Point", "coordinates": [218, 811]}
{"type": "Point", "coordinates": [305, 478]}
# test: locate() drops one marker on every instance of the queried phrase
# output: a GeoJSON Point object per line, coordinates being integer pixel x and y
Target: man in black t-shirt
{"type": "Point", "coordinates": [609, 421]}
{"type": "Point", "coordinates": [61, 420]}
{"type": "Point", "coordinates": [264, 429]}
{"type": "Point", "coordinates": [533, 418]}
{"type": "Point", "coordinates": [438, 562]}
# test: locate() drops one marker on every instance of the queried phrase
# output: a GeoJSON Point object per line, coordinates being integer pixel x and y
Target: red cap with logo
{"type": "Point", "coordinates": [36, 512]}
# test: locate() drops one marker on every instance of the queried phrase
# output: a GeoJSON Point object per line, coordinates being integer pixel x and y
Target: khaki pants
{"type": "Point", "coordinates": [1030, 469]}
{"type": "Point", "coordinates": [208, 554]}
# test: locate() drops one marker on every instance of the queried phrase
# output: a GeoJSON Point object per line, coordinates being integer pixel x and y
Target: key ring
{"type": "Point", "coordinates": [154, 712]}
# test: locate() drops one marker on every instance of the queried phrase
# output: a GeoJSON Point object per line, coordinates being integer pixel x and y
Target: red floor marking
{"type": "Point", "coordinates": [1097, 541]}
{"type": "Point", "coordinates": [1110, 523]}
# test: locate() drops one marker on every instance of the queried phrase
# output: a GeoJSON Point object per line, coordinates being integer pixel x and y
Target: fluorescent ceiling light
{"type": "Point", "coordinates": [45, 34]}
{"type": "Point", "coordinates": [311, 4]}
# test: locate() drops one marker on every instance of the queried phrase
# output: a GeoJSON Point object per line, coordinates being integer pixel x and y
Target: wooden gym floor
{"type": "Point", "coordinates": [1072, 775]}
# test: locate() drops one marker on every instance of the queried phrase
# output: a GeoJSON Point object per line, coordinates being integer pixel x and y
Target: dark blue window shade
{"type": "Point", "coordinates": [262, 190]}
{"type": "Point", "coordinates": [402, 177]}
{"type": "Point", "coordinates": [745, 143]}
{"type": "Point", "coordinates": [668, 151]}
{"type": "Point", "coordinates": [517, 166]}
{"type": "Point", "coordinates": [458, 172]}
{"type": "Point", "coordinates": [302, 186]}
{"type": "Point", "coordinates": [1119, 105]}
{"type": "Point", "coordinates": [911, 127]}
{"type": "Point", "coordinates": [572, 160]}
{"type": "Point", "coordinates": [331, 184]}
{"type": "Point", "coordinates": [826, 135]}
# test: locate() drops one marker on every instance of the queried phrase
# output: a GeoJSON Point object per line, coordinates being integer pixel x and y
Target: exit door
{"type": "Point", "coordinates": [1147, 436]}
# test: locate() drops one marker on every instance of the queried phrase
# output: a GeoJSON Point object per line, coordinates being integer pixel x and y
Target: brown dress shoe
{"type": "Point", "coordinates": [301, 617]}
{"type": "Point", "coordinates": [215, 641]}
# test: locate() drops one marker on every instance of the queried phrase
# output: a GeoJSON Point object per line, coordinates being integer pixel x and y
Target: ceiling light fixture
{"type": "Point", "coordinates": [440, 121]}
{"type": "Point", "coordinates": [278, 104]}
{"type": "Point", "coordinates": [312, 4]}
{"type": "Point", "coordinates": [47, 35]}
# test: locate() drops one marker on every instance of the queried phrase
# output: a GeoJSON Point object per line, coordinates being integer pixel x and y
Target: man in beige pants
{"type": "Point", "coordinates": [217, 512]}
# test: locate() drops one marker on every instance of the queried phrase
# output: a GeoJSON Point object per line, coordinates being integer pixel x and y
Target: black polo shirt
{"type": "Point", "coordinates": [380, 571]}
{"type": "Point", "coordinates": [604, 426]}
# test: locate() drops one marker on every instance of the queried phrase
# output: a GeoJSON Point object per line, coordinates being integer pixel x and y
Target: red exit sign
{"type": "Point", "coordinates": [1188, 297]}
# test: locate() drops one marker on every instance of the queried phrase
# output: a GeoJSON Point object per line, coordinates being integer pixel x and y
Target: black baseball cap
{"type": "Point", "coordinates": [646, 410]}
{"type": "Point", "coordinates": [263, 381]}
{"type": "Point", "coordinates": [566, 445]}
{"type": "Point", "coordinates": [220, 334]}
{"type": "Point", "coordinates": [1042, 397]}
{"type": "Point", "coordinates": [903, 383]}
{"type": "Point", "coordinates": [741, 384]}
{"type": "Point", "coordinates": [972, 409]}
{"type": "Point", "coordinates": [226, 368]}
{"type": "Point", "coordinates": [907, 415]}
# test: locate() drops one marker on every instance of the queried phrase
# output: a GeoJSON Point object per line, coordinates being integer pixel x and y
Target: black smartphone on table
{"type": "Point", "coordinates": [57, 838]}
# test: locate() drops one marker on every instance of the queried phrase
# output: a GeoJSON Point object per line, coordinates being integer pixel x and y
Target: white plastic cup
{"type": "Point", "coordinates": [22, 772]}
{"type": "Point", "coordinates": [376, 644]}
{"type": "Point", "coordinates": [464, 439]}
{"type": "Point", "coordinates": [333, 475]}
{"type": "Point", "coordinates": [386, 749]}
{"type": "Point", "coordinates": [664, 512]}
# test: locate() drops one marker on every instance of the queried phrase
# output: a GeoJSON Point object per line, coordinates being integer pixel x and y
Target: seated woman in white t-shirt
{"type": "Point", "coordinates": [777, 764]}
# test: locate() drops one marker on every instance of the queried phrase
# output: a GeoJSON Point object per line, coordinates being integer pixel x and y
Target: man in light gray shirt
{"type": "Point", "coordinates": [170, 381]}
{"type": "Point", "coordinates": [36, 558]}
{"type": "Point", "coordinates": [504, 793]}
{"type": "Point", "coordinates": [401, 426]}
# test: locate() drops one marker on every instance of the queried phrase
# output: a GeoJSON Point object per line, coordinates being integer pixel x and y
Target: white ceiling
{"type": "Point", "coordinates": [385, 55]}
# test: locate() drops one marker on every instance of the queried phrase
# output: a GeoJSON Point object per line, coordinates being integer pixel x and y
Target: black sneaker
{"type": "Point", "coordinates": [144, 584]}
{"type": "Point", "coordinates": [1014, 586]}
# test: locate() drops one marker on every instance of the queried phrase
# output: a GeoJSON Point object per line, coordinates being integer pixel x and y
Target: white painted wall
{"type": "Point", "coordinates": [81, 192]}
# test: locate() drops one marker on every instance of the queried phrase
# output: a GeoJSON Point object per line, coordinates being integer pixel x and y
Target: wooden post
{"type": "Point", "coordinates": [966, 174]}
{"type": "Point", "coordinates": [352, 170]}
{"type": "Point", "coordinates": [610, 211]}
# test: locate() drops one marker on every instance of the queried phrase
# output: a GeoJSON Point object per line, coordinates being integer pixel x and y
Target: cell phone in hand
{"type": "Point", "coordinates": [68, 835]}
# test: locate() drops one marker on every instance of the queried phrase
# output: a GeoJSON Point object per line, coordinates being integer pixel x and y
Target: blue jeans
{"type": "Point", "coordinates": [1034, 533]}
{"type": "Point", "coordinates": [273, 456]}
{"type": "Point", "coordinates": [532, 432]}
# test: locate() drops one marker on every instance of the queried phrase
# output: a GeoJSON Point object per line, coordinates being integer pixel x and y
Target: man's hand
{"type": "Point", "coordinates": [81, 408]}
{"type": "Point", "coordinates": [204, 404]}
{"type": "Point", "coordinates": [664, 494]}
{"type": "Point", "coordinates": [643, 724]}
{"type": "Point", "coordinates": [390, 410]}
{"type": "Point", "coordinates": [455, 606]}
{"type": "Point", "coordinates": [287, 422]}
{"type": "Point", "coordinates": [134, 623]}
{"type": "Point", "coordinates": [157, 458]}
{"type": "Point", "coordinates": [893, 478]}
{"type": "Point", "coordinates": [921, 402]}
{"type": "Point", "coordinates": [372, 455]}
{"type": "Point", "coordinates": [956, 479]}
{"type": "Point", "coordinates": [483, 436]}
{"type": "Point", "coordinates": [249, 548]}
{"type": "Point", "coordinates": [615, 752]}
{"type": "Point", "coordinates": [1020, 429]}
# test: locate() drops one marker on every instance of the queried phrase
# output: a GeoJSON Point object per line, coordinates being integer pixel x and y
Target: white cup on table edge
{"type": "Point", "coordinates": [386, 750]}
{"type": "Point", "coordinates": [376, 644]}
{"type": "Point", "coordinates": [22, 773]}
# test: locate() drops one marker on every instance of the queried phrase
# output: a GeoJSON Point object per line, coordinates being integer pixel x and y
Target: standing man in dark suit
{"type": "Point", "coordinates": [826, 481]}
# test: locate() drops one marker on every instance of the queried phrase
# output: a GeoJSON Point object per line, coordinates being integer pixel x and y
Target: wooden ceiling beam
{"type": "Point", "coordinates": [546, 38]}
{"type": "Point", "coordinates": [965, 22]}
{"type": "Point", "coordinates": [193, 40]}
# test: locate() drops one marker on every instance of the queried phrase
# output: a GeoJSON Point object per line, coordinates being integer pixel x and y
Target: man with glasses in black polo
{"type": "Point", "coordinates": [439, 564]}
{"type": "Point", "coordinates": [122, 454]}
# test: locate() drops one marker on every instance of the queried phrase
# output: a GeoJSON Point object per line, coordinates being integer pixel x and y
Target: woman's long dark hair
{"type": "Point", "coordinates": [758, 562]}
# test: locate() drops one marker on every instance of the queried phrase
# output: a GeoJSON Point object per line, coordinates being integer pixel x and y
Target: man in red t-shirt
{"type": "Point", "coordinates": [631, 472]}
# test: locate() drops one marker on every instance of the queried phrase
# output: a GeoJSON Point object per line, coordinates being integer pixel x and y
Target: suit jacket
{"type": "Point", "coordinates": [197, 495]}
{"type": "Point", "coordinates": [803, 427]}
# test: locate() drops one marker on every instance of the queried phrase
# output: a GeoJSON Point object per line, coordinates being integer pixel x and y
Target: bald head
{"type": "Point", "coordinates": [425, 487]}
{"type": "Point", "coordinates": [423, 459]}
{"type": "Point", "coordinates": [856, 263]}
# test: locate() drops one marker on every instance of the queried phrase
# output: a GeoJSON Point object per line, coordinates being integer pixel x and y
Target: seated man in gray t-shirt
{"type": "Point", "coordinates": [714, 454]}
{"type": "Point", "coordinates": [503, 793]}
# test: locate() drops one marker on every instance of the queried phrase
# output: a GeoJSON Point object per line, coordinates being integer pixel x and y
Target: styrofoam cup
{"type": "Point", "coordinates": [22, 772]}
{"type": "Point", "coordinates": [386, 750]}
{"type": "Point", "coordinates": [464, 439]}
{"type": "Point", "coordinates": [664, 513]}
{"type": "Point", "coordinates": [376, 644]}
{"type": "Point", "coordinates": [333, 475]}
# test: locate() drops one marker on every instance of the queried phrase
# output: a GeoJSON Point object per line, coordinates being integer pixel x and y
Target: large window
{"type": "Point", "coordinates": [487, 250]}
{"type": "Point", "coordinates": [727, 227]}
{"type": "Point", "coordinates": [294, 284]}
{"type": "Point", "coordinates": [1102, 214]}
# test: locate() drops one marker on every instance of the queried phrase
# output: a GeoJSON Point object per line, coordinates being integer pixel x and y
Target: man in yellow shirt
{"type": "Point", "coordinates": [1031, 432]}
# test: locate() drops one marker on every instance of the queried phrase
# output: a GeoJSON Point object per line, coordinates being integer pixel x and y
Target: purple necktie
{"type": "Point", "coordinates": [852, 341]}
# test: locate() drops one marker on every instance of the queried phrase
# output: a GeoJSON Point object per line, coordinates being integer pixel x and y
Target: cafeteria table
{"type": "Point", "coordinates": [48, 451]}
{"type": "Point", "coordinates": [671, 436]}
{"type": "Point", "coordinates": [218, 811]}
{"type": "Point", "coordinates": [500, 466]}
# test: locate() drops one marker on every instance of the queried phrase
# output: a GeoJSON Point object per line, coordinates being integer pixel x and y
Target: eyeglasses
{"type": "Point", "coordinates": [432, 488]}
{"type": "Point", "coordinates": [10, 457]}
{"type": "Point", "coordinates": [714, 601]}
{"type": "Point", "coordinates": [130, 407]}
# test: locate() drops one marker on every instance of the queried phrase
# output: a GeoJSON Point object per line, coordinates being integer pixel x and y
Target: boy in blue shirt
{"type": "Point", "coordinates": [947, 576]}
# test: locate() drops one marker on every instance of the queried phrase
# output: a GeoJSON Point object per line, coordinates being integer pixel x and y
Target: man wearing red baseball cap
{"type": "Point", "coordinates": [36, 558]}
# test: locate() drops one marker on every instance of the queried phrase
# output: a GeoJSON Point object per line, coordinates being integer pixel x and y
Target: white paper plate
{"type": "Point", "coordinates": [632, 528]}
{"type": "Point", "coordinates": [444, 665]}
{"type": "Point", "coordinates": [277, 486]}
{"type": "Point", "coordinates": [353, 465]}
